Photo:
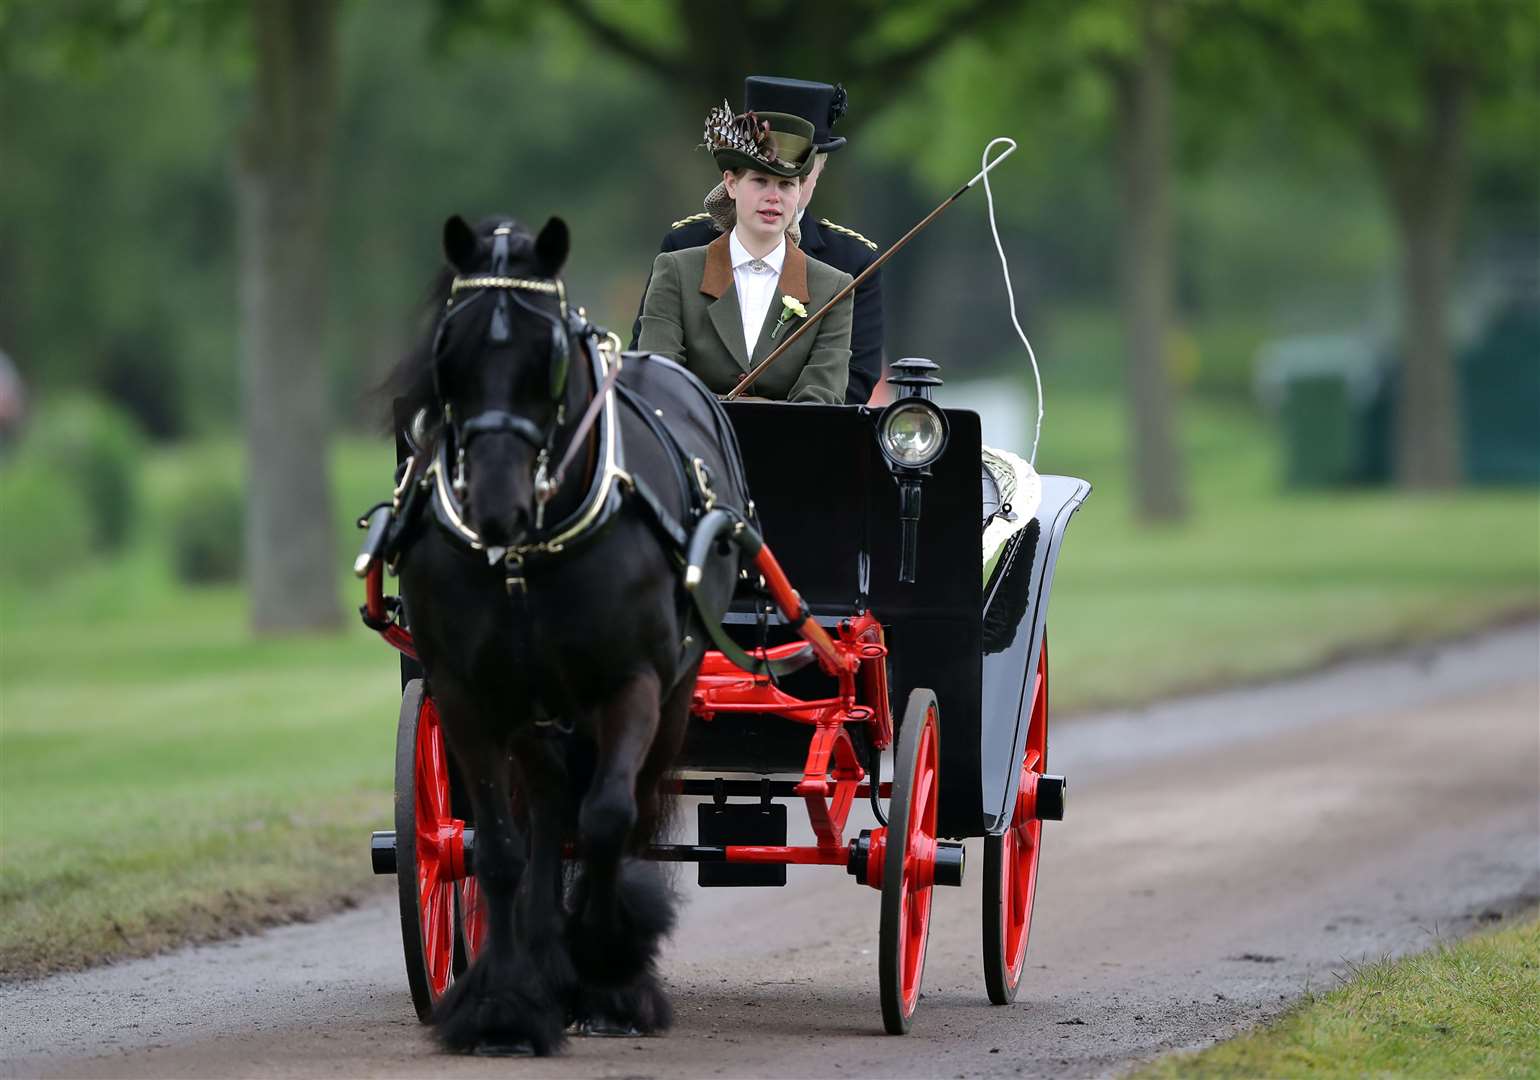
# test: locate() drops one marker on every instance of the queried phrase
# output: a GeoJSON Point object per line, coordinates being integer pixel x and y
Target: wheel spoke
{"type": "Point", "coordinates": [438, 940]}
{"type": "Point", "coordinates": [434, 775]}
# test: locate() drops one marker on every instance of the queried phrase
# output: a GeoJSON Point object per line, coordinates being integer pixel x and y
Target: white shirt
{"type": "Point", "coordinates": [755, 280]}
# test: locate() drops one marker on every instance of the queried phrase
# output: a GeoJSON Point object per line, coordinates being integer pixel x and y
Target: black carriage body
{"type": "Point", "coordinates": [1016, 617]}
{"type": "Point", "coordinates": [828, 506]}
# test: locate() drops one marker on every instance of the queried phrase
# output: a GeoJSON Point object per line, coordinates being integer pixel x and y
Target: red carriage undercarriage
{"type": "Point", "coordinates": [832, 735]}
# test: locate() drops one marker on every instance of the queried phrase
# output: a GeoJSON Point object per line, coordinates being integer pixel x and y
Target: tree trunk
{"type": "Point", "coordinates": [1427, 184]}
{"type": "Point", "coordinates": [282, 187]}
{"type": "Point", "coordinates": [1143, 86]}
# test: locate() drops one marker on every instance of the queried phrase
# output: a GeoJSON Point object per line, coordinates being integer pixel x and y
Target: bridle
{"type": "Point", "coordinates": [506, 291]}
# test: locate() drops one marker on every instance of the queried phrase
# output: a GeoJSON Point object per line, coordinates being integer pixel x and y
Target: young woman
{"type": "Point", "coordinates": [722, 308]}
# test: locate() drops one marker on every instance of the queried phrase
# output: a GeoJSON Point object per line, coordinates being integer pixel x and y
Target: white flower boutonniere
{"type": "Point", "coordinates": [791, 308]}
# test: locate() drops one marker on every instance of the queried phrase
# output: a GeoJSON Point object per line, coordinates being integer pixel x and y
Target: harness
{"type": "Point", "coordinates": [433, 476]}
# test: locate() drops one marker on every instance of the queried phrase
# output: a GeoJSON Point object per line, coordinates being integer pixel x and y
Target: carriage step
{"type": "Point", "coordinates": [1051, 793]}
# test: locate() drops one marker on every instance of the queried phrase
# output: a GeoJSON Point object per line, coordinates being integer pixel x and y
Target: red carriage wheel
{"type": "Point", "coordinates": [1010, 860]}
{"type": "Point", "coordinates": [470, 924]}
{"type": "Point", "coordinates": [908, 863]}
{"type": "Point", "coordinates": [426, 849]}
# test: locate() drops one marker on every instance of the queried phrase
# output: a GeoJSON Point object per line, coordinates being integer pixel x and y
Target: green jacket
{"type": "Point", "coordinates": [691, 315]}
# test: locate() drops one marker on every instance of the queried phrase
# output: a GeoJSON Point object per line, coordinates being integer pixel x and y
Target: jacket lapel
{"type": "Point", "coordinates": [793, 282]}
{"type": "Point", "coordinates": [726, 316]}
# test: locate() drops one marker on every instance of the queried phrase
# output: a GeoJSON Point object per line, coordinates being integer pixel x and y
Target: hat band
{"type": "Point", "coordinates": [790, 148]}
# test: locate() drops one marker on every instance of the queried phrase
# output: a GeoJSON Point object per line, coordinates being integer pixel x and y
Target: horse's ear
{"type": "Point", "coordinates": [551, 246]}
{"type": "Point", "coordinates": [460, 244]}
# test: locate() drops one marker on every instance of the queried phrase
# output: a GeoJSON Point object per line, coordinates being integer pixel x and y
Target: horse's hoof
{"type": "Point", "coordinates": [519, 1048]}
{"type": "Point", "coordinates": [602, 1027]}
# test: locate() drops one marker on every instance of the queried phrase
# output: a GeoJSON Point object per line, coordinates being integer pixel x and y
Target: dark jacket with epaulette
{"type": "Point", "coordinates": [841, 248]}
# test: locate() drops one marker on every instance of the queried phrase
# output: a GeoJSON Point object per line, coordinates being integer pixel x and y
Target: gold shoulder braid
{"type": "Point", "coordinates": [848, 232]}
{"type": "Point", "coordinates": [691, 220]}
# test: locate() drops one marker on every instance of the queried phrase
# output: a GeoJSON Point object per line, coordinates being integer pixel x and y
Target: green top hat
{"type": "Point", "coordinates": [770, 142]}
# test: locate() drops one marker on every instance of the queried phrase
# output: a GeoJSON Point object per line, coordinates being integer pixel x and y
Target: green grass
{"type": "Point", "coordinates": [164, 776]}
{"type": "Point", "coordinates": [1466, 1009]}
{"type": "Point", "coordinates": [1258, 583]}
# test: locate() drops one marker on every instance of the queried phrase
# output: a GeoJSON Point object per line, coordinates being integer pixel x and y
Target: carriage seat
{"type": "Point", "coordinates": [1012, 493]}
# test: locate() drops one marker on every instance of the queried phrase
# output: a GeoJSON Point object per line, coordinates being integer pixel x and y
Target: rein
{"type": "Point", "coordinates": [544, 493]}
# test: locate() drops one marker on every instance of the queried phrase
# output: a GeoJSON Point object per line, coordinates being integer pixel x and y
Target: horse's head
{"type": "Point", "coordinates": [501, 355]}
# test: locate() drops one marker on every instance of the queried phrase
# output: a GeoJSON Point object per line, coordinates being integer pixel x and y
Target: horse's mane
{"type": "Point", "coordinates": [411, 380]}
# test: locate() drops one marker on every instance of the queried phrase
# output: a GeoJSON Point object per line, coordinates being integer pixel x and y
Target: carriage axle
{"type": "Point", "coordinates": [946, 861]}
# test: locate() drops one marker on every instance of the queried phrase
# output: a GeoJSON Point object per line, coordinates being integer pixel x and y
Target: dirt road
{"type": "Point", "coordinates": [1220, 855]}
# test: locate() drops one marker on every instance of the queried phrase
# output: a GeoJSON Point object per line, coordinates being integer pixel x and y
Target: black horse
{"type": "Point", "coordinates": [557, 639]}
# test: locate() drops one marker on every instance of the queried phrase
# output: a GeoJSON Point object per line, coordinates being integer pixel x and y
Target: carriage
{"type": "Point", "coordinates": [863, 631]}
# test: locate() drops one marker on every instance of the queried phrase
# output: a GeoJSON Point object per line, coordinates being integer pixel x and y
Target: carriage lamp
{"type": "Point", "coordinates": [912, 434]}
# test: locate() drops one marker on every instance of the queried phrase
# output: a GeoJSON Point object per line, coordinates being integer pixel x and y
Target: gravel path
{"type": "Point", "coordinates": [1221, 855]}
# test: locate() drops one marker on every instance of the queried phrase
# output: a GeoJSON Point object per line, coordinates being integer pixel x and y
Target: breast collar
{"type": "Point", "coordinates": [599, 503]}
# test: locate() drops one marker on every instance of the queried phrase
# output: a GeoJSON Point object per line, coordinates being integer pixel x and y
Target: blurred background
{"type": "Point", "coordinates": [1280, 260]}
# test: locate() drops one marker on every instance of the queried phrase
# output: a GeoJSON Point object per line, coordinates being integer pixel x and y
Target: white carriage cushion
{"type": "Point", "coordinates": [1018, 484]}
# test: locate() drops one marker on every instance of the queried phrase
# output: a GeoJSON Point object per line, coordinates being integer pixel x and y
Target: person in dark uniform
{"type": "Point", "coordinates": [821, 104]}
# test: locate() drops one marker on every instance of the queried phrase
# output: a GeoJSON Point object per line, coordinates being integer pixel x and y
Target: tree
{"type": "Point", "coordinates": [1112, 63]}
{"type": "Point", "coordinates": [704, 48]}
{"type": "Point", "coordinates": [282, 183]}
{"type": "Point", "coordinates": [1141, 79]}
{"type": "Point", "coordinates": [1402, 78]}
{"type": "Point", "coordinates": [282, 195]}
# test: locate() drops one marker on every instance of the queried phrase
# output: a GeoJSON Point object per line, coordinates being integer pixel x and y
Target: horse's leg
{"type": "Point", "coordinates": [540, 917]}
{"type": "Point", "coordinates": [653, 798]}
{"type": "Point", "coordinates": [514, 997]}
{"type": "Point", "coordinates": [622, 993]}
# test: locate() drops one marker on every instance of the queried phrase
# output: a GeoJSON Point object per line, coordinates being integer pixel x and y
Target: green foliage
{"type": "Point", "coordinates": [117, 234]}
{"type": "Point", "coordinates": [45, 525]}
{"type": "Point", "coordinates": [126, 114]}
{"type": "Point", "coordinates": [1369, 63]}
{"type": "Point", "coordinates": [82, 38]}
{"type": "Point", "coordinates": [1469, 1008]}
{"type": "Point", "coordinates": [97, 448]}
{"type": "Point", "coordinates": [206, 526]}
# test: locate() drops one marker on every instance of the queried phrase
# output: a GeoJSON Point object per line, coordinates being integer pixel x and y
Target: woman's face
{"type": "Point", "coordinates": [766, 203]}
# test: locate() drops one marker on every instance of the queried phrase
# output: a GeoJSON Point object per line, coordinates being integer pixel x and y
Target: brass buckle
{"type": "Point", "coordinates": [702, 480]}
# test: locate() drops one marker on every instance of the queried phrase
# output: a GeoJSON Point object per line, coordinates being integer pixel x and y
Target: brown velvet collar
{"type": "Point", "coordinates": [718, 276]}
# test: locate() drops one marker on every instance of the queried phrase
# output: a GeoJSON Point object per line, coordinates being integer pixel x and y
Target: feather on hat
{"type": "Point", "coordinates": [776, 143]}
